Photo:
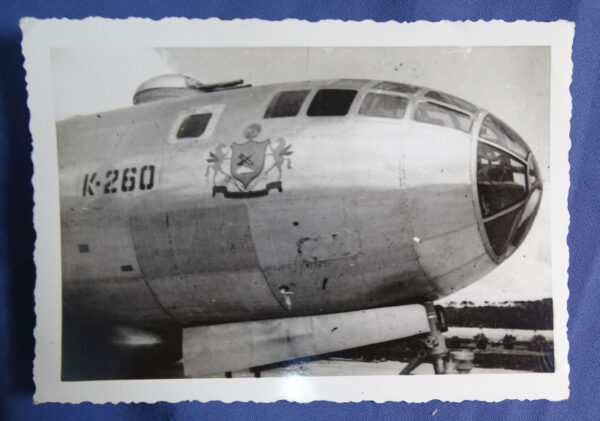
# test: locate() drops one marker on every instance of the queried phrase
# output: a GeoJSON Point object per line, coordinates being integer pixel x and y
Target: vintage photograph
{"type": "Point", "coordinates": [282, 211]}
{"type": "Point", "coordinates": [307, 211]}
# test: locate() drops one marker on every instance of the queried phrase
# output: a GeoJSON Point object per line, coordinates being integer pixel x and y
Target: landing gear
{"type": "Point", "coordinates": [433, 347]}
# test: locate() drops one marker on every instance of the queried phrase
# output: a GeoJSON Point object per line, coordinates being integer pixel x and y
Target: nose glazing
{"type": "Point", "coordinates": [508, 185]}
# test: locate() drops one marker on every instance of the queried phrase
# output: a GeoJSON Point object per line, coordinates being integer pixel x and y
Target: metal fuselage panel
{"type": "Point", "coordinates": [373, 212]}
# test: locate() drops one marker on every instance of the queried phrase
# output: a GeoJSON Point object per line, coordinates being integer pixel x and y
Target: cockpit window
{"type": "Point", "coordinates": [428, 112]}
{"type": "Point", "coordinates": [509, 190]}
{"type": "Point", "coordinates": [488, 132]}
{"type": "Point", "coordinates": [286, 104]}
{"type": "Point", "coordinates": [527, 218]}
{"type": "Point", "coordinates": [532, 176]}
{"type": "Point", "coordinates": [500, 134]}
{"type": "Point", "coordinates": [331, 102]}
{"type": "Point", "coordinates": [452, 100]}
{"type": "Point", "coordinates": [501, 180]}
{"type": "Point", "coordinates": [499, 230]}
{"type": "Point", "coordinates": [193, 126]}
{"type": "Point", "coordinates": [381, 105]}
{"type": "Point", "coordinates": [396, 87]}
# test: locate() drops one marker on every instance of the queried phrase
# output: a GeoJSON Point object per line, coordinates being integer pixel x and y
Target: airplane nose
{"type": "Point", "coordinates": [509, 188]}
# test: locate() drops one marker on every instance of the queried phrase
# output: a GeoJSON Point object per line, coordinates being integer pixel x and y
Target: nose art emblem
{"type": "Point", "coordinates": [255, 167]}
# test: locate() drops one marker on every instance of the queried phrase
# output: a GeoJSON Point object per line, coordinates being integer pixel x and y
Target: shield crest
{"type": "Point", "coordinates": [248, 160]}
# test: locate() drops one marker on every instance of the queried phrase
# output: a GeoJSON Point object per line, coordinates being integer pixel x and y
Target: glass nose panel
{"type": "Point", "coordinates": [502, 135]}
{"type": "Point", "coordinates": [527, 217]}
{"type": "Point", "coordinates": [501, 180]}
{"type": "Point", "coordinates": [499, 229]}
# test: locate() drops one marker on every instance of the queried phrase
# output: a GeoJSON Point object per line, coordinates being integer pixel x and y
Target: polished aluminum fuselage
{"type": "Point", "coordinates": [373, 212]}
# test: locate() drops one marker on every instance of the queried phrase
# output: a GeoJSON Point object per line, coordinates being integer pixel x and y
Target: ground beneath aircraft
{"type": "Point", "coordinates": [495, 351]}
{"type": "Point", "coordinates": [149, 362]}
{"type": "Point", "coordinates": [343, 367]}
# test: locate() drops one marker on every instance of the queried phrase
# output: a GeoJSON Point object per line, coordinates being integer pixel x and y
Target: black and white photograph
{"type": "Point", "coordinates": [305, 211]}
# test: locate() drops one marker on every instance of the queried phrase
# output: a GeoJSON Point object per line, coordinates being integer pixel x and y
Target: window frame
{"type": "Point", "coordinates": [473, 108]}
{"type": "Point", "coordinates": [519, 206]}
{"type": "Point", "coordinates": [363, 96]}
{"type": "Point", "coordinates": [315, 91]}
{"type": "Point", "coordinates": [450, 107]}
{"type": "Point", "coordinates": [214, 110]}
{"type": "Point", "coordinates": [527, 186]}
{"type": "Point", "coordinates": [410, 90]}
{"type": "Point", "coordinates": [507, 136]}
{"type": "Point", "coordinates": [309, 94]}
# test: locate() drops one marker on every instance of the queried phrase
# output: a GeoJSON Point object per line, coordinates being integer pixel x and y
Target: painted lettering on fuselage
{"type": "Point", "coordinates": [251, 165]}
{"type": "Point", "coordinates": [118, 180]}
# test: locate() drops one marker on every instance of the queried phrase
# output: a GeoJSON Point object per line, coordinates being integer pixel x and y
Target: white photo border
{"type": "Point", "coordinates": [40, 36]}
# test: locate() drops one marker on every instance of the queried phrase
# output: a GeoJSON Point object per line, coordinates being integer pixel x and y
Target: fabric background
{"type": "Point", "coordinates": [17, 272]}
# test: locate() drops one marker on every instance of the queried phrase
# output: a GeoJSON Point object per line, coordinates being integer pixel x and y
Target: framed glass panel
{"type": "Point", "coordinates": [527, 217]}
{"type": "Point", "coordinates": [396, 87]}
{"type": "Point", "coordinates": [501, 180]}
{"type": "Point", "coordinates": [499, 133]}
{"type": "Point", "coordinates": [381, 105]}
{"type": "Point", "coordinates": [331, 102]}
{"type": "Point", "coordinates": [452, 100]}
{"type": "Point", "coordinates": [193, 126]}
{"type": "Point", "coordinates": [286, 104]}
{"type": "Point", "coordinates": [428, 112]}
{"type": "Point", "coordinates": [499, 230]}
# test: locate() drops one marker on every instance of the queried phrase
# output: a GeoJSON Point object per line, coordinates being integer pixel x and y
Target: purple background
{"type": "Point", "coordinates": [17, 272]}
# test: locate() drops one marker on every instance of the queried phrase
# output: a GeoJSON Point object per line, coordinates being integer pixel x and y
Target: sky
{"type": "Point", "coordinates": [511, 82]}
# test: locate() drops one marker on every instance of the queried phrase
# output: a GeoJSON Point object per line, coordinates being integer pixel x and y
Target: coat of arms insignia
{"type": "Point", "coordinates": [247, 176]}
{"type": "Point", "coordinates": [248, 160]}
